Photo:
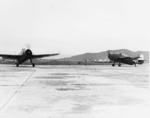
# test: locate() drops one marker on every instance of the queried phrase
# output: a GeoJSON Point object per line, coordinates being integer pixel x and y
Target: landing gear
{"type": "Point", "coordinates": [135, 65]}
{"type": "Point", "coordinates": [17, 65]}
{"type": "Point", "coordinates": [32, 63]}
{"type": "Point", "coordinates": [119, 64]}
{"type": "Point", "coordinates": [113, 64]}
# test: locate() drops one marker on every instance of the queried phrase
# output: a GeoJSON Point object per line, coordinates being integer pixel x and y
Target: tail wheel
{"type": "Point", "coordinates": [119, 64]}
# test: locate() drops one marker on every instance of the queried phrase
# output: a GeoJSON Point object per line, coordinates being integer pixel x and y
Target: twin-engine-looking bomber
{"type": "Point", "coordinates": [120, 58]}
{"type": "Point", "coordinates": [24, 55]}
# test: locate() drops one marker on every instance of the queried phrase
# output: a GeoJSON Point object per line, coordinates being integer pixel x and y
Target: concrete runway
{"type": "Point", "coordinates": [74, 91]}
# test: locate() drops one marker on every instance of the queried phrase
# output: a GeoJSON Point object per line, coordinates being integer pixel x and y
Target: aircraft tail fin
{"type": "Point", "coordinates": [141, 59]}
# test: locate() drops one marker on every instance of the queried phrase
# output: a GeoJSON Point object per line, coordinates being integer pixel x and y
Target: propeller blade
{"type": "Point", "coordinates": [28, 46]}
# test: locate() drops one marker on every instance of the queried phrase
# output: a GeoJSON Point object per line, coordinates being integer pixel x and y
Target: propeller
{"type": "Point", "coordinates": [28, 46]}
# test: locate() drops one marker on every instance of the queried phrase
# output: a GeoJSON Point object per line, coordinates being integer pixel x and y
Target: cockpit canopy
{"type": "Point", "coordinates": [22, 51]}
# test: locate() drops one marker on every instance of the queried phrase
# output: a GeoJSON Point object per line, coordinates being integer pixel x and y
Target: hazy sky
{"type": "Point", "coordinates": [74, 26]}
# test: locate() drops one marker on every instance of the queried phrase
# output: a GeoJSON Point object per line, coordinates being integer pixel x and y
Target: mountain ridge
{"type": "Point", "coordinates": [103, 55]}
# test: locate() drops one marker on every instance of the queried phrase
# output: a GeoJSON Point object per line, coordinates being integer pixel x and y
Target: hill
{"type": "Point", "coordinates": [103, 55]}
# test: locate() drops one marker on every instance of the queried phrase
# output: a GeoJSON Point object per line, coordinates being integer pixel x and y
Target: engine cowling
{"type": "Point", "coordinates": [29, 52]}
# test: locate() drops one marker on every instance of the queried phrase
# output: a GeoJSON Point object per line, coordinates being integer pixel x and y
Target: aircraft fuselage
{"type": "Point", "coordinates": [25, 56]}
{"type": "Point", "coordinates": [116, 58]}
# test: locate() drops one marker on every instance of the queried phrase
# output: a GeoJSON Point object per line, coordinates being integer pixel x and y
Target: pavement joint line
{"type": "Point", "coordinates": [9, 85]}
{"type": "Point", "coordinates": [16, 91]}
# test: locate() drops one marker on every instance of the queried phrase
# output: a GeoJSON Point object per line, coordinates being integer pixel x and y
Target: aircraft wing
{"type": "Point", "coordinates": [6, 56]}
{"type": "Point", "coordinates": [44, 55]}
{"type": "Point", "coordinates": [128, 58]}
{"type": "Point", "coordinates": [124, 58]}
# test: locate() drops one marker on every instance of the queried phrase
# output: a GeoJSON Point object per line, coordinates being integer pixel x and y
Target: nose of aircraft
{"type": "Point", "coordinates": [29, 52]}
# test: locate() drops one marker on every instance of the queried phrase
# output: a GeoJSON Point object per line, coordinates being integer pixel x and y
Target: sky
{"type": "Point", "coordinates": [74, 26]}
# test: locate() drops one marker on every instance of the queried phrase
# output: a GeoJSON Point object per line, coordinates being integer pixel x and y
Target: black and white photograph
{"type": "Point", "coordinates": [74, 58]}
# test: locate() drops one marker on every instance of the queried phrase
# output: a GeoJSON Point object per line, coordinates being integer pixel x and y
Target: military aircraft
{"type": "Point", "coordinates": [24, 55]}
{"type": "Point", "coordinates": [120, 58]}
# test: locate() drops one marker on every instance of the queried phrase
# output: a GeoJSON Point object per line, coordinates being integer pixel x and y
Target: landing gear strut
{"type": "Point", "coordinates": [113, 64]}
{"type": "Point", "coordinates": [32, 63]}
{"type": "Point", "coordinates": [135, 65]}
{"type": "Point", "coordinates": [17, 65]}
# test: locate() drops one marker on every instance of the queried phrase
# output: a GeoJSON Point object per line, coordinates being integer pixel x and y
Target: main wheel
{"type": "Point", "coordinates": [113, 65]}
{"type": "Point", "coordinates": [33, 65]}
{"type": "Point", "coordinates": [17, 65]}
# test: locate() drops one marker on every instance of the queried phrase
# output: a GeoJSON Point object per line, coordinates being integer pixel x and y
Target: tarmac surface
{"type": "Point", "coordinates": [74, 91]}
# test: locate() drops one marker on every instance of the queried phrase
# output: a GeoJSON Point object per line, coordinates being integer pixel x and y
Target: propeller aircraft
{"type": "Point", "coordinates": [24, 55]}
{"type": "Point", "coordinates": [120, 58]}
